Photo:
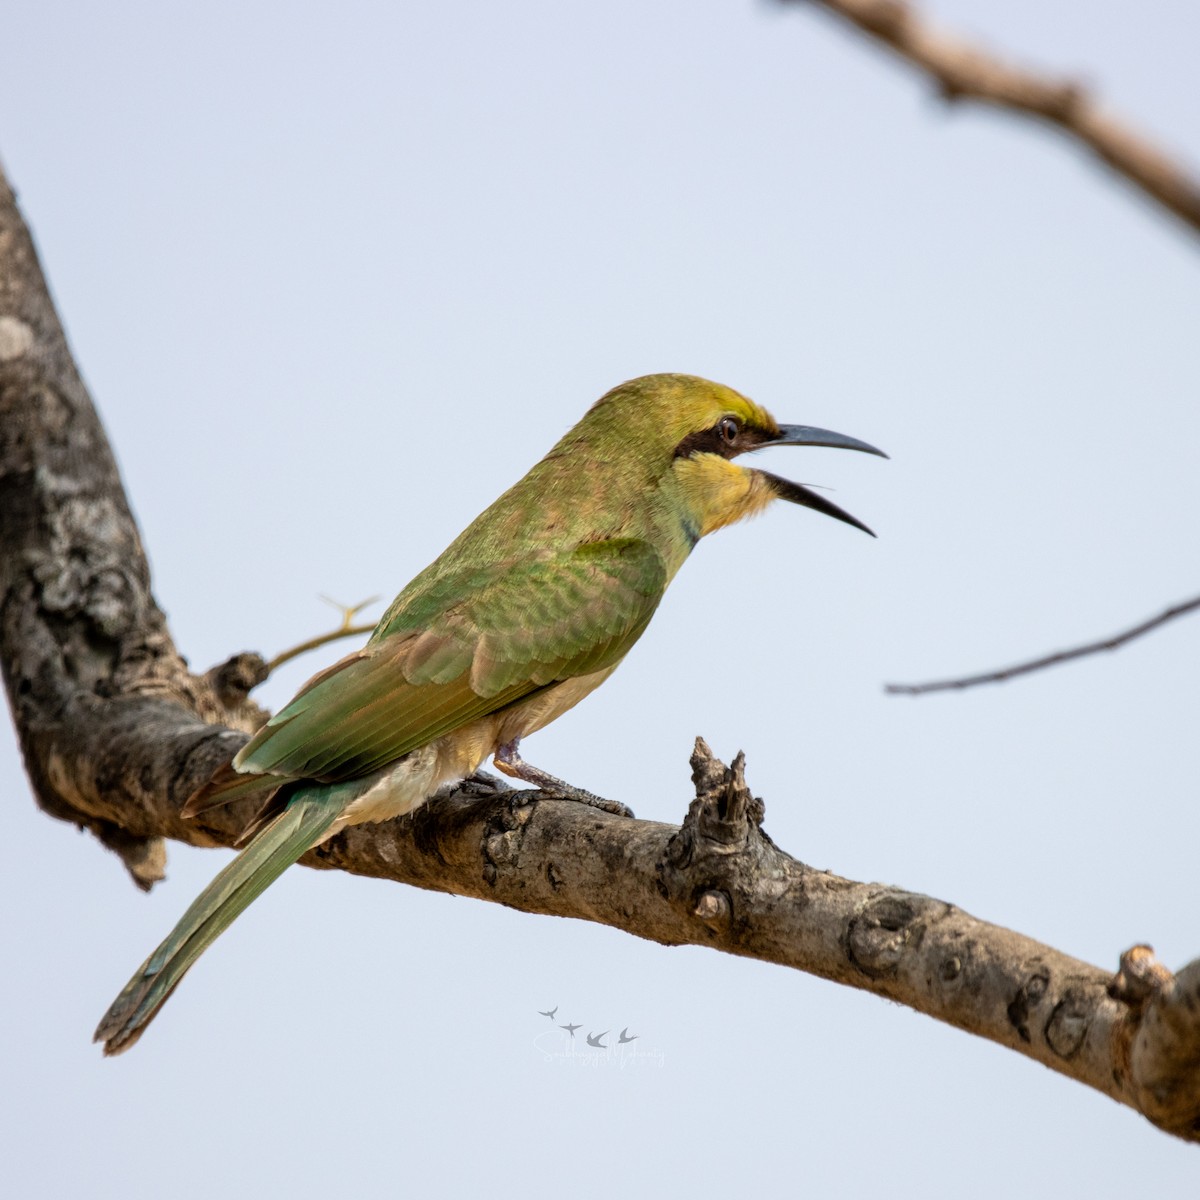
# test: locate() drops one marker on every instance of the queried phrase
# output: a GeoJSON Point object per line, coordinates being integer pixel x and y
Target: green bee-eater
{"type": "Point", "coordinates": [530, 608]}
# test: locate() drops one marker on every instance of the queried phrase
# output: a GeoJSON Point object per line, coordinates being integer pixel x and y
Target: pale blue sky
{"type": "Point", "coordinates": [336, 277]}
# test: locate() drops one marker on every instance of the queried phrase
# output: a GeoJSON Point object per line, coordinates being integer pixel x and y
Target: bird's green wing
{"type": "Point", "coordinates": [458, 649]}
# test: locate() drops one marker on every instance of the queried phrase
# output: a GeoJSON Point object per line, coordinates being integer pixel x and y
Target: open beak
{"type": "Point", "coordinates": [810, 435]}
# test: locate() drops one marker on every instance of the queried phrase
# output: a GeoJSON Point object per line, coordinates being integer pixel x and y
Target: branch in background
{"type": "Point", "coordinates": [962, 71]}
{"type": "Point", "coordinates": [346, 629]}
{"type": "Point", "coordinates": [1049, 660]}
{"type": "Point", "coordinates": [233, 680]}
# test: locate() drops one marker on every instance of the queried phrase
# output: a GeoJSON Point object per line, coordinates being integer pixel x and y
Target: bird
{"type": "Point", "coordinates": [532, 607]}
{"type": "Point", "coordinates": [626, 1036]}
{"type": "Point", "coordinates": [593, 1039]}
{"type": "Point", "coordinates": [549, 1014]}
{"type": "Point", "coordinates": [571, 1028]}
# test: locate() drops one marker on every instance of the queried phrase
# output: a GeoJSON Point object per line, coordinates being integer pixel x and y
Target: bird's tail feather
{"type": "Point", "coordinates": [226, 786]}
{"type": "Point", "coordinates": [300, 826]}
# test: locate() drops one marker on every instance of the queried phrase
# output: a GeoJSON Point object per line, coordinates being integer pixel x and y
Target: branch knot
{"type": "Point", "coordinates": [720, 854]}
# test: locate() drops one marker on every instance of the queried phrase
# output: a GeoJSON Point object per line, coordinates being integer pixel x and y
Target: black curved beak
{"type": "Point", "coordinates": [810, 435]}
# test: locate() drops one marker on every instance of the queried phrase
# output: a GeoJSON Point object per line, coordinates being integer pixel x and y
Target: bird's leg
{"type": "Point", "coordinates": [508, 759]}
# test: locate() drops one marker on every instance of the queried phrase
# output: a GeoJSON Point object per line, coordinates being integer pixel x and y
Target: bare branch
{"type": "Point", "coordinates": [233, 680]}
{"type": "Point", "coordinates": [1049, 660]}
{"type": "Point", "coordinates": [962, 71]}
{"type": "Point", "coordinates": [346, 629]}
{"type": "Point", "coordinates": [116, 734]}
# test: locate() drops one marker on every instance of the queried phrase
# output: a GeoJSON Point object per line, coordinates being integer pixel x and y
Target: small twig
{"type": "Point", "coordinates": [1049, 660]}
{"type": "Point", "coordinates": [346, 629]}
{"type": "Point", "coordinates": [962, 71]}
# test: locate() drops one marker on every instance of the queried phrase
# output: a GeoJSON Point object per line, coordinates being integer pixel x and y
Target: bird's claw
{"type": "Point", "coordinates": [592, 800]}
{"type": "Point", "coordinates": [509, 760]}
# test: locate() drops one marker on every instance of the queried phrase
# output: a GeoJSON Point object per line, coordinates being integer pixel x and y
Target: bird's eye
{"type": "Point", "coordinates": [728, 429]}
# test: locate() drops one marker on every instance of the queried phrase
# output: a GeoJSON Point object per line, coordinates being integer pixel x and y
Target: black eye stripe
{"type": "Point", "coordinates": [728, 438]}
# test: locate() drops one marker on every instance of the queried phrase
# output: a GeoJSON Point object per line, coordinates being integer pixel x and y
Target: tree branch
{"type": "Point", "coordinates": [97, 688]}
{"type": "Point", "coordinates": [346, 629]}
{"type": "Point", "coordinates": [116, 733]}
{"type": "Point", "coordinates": [961, 71]}
{"type": "Point", "coordinates": [1048, 660]}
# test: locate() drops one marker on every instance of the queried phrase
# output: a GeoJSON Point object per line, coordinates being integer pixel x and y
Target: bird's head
{"type": "Point", "coordinates": [693, 429]}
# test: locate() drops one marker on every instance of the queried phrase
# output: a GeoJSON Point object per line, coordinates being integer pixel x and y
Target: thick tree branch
{"type": "Point", "coordinates": [1047, 660]}
{"type": "Point", "coordinates": [116, 733]}
{"type": "Point", "coordinates": [961, 71]}
{"type": "Point", "coordinates": [97, 689]}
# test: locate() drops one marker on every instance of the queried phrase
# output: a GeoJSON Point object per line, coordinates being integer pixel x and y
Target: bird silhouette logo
{"type": "Point", "coordinates": [593, 1039]}
{"type": "Point", "coordinates": [571, 1028]}
{"type": "Point", "coordinates": [626, 1036]}
{"type": "Point", "coordinates": [549, 1014]}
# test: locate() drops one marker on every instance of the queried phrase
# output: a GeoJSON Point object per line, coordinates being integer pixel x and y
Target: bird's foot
{"type": "Point", "coordinates": [509, 760]}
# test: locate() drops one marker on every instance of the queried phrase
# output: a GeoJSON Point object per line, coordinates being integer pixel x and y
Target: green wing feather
{"type": "Point", "coordinates": [454, 649]}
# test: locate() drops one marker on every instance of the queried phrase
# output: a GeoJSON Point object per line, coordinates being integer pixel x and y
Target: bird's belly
{"type": "Point", "coordinates": [395, 789]}
{"type": "Point", "coordinates": [404, 785]}
{"type": "Point", "coordinates": [538, 711]}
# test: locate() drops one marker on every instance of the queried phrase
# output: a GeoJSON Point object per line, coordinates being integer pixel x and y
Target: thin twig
{"type": "Point", "coordinates": [962, 71]}
{"type": "Point", "coordinates": [1049, 660]}
{"type": "Point", "coordinates": [346, 629]}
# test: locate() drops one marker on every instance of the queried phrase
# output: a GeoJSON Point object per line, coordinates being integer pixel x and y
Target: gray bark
{"type": "Point", "coordinates": [117, 732]}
